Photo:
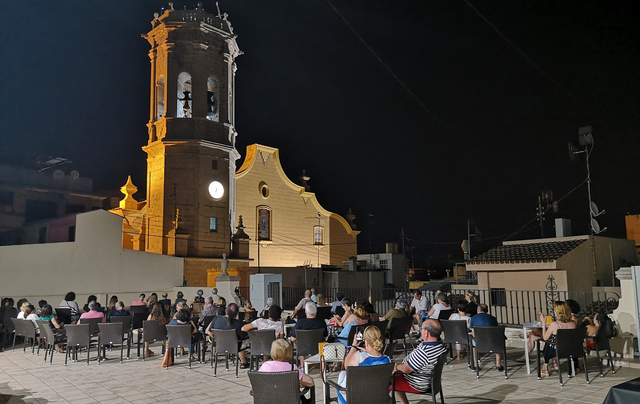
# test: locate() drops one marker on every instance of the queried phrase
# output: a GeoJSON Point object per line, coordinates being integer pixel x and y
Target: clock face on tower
{"type": "Point", "coordinates": [216, 190]}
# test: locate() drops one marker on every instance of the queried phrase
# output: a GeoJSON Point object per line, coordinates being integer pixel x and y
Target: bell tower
{"type": "Point", "coordinates": [191, 154]}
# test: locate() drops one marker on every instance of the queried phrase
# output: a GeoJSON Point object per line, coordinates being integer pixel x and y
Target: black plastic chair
{"type": "Point", "coordinates": [382, 326]}
{"type": "Point", "coordinates": [602, 344]}
{"type": "Point", "coordinates": [307, 341]}
{"type": "Point", "coordinates": [261, 341]}
{"type": "Point", "coordinates": [110, 334]}
{"type": "Point", "coordinates": [398, 330]}
{"type": "Point", "coordinates": [78, 335]}
{"type": "Point", "coordinates": [490, 340]}
{"type": "Point", "coordinates": [64, 315]}
{"type": "Point", "coordinates": [126, 328]}
{"type": "Point", "coordinates": [456, 332]}
{"type": "Point", "coordinates": [278, 387]}
{"type": "Point", "coordinates": [179, 336]}
{"type": "Point", "coordinates": [153, 331]}
{"type": "Point", "coordinates": [324, 313]}
{"type": "Point", "coordinates": [365, 384]}
{"type": "Point", "coordinates": [226, 344]}
{"type": "Point", "coordinates": [570, 345]}
{"type": "Point", "coordinates": [445, 314]}
{"type": "Point", "coordinates": [93, 325]}
{"type": "Point", "coordinates": [435, 381]}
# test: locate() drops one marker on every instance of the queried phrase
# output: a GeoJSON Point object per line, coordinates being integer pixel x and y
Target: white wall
{"type": "Point", "coordinates": [95, 263]}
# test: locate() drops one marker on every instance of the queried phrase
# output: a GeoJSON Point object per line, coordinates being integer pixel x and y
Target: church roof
{"type": "Point", "coordinates": [520, 253]}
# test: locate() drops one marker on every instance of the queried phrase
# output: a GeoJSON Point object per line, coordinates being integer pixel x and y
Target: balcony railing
{"type": "Point", "coordinates": [511, 307]}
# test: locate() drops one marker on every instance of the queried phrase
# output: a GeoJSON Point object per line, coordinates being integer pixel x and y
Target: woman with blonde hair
{"type": "Point", "coordinates": [359, 317]}
{"type": "Point", "coordinates": [564, 320]}
{"type": "Point", "coordinates": [281, 354]}
{"type": "Point", "coordinates": [367, 352]}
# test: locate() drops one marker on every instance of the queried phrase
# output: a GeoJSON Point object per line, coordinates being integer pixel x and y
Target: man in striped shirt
{"type": "Point", "coordinates": [419, 364]}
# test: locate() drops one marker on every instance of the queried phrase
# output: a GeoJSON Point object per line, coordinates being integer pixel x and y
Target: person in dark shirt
{"type": "Point", "coordinates": [230, 321]}
{"type": "Point", "coordinates": [484, 319]}
{"type": "Point", "coordinates": [166, 302]}
{"type": "Point", "coordinates": [119, 310]}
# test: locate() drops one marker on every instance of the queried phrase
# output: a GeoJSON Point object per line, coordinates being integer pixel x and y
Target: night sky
{"type": "Point", "coordinates": [424, 114]}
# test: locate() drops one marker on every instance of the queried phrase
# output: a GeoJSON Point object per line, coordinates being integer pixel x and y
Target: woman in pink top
{"type": "Point", "coordinates": [94, 312]}
{"type": "Point", "coordinates": [281, 354]}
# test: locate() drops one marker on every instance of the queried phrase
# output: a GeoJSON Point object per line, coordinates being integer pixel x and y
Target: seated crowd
{"type": "Point", "coordinates": [364, 348]}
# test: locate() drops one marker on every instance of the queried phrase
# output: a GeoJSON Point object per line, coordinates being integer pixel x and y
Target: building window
{"type": "Point", "coordinates": [498, 297]}
{"type": "Point", "coordinates": [185, 96]}
{"type": "Point", "coordinates": [213, 224]}
{"type": "Point", "coordinates": [213, 100]}
{"type": "Point", "coordinates": [214, 164]}
{"type": "Point", "coordinates": [264, 223]}
{"type": "Point", "coordinates": [264, 189]}
{"type": "Point", "coordinates": [72, 233]}
{"type": "Point", "coordinates": [318, 235]}
{"type": "Point", "coordinates": [384, 264]}
{"type": "Point", "coordinates": [160, 98]}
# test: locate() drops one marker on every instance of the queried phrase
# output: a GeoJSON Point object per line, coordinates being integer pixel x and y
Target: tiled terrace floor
{"type": "Point", "coordinates": [24, 378]}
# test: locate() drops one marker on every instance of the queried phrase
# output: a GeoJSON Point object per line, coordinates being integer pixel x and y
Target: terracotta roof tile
{"type": "Point", "coordinates": [526, 253]}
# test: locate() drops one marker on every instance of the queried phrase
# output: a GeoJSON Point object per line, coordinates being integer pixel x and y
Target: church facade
{"type": "Point", "coordinates": [286, 223]}
{"type": "Point", "coordinates": [195, 198]}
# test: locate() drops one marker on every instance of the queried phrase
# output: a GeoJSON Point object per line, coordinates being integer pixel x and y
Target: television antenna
{"type": "Point", "coordinates": [585, 138]}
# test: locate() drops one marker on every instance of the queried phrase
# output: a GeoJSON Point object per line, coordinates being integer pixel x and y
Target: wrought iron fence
{"type": "Point", "coordinates": [512, 307]}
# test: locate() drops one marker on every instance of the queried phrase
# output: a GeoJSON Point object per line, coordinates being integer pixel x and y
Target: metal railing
{"type": "Point", "coordinates": [511, 307]}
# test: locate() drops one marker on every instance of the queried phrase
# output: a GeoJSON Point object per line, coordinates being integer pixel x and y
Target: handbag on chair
{"type": "Point", "coordinates": [332, 352]}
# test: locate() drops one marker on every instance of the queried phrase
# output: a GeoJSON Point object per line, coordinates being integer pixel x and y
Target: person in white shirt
{"type": "Point", "coordinates": [419, 304]}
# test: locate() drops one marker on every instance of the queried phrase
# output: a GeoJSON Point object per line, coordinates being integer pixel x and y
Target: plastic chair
{"type": "Point", "coordinates": [445, 314]}
{"type": "Point", "coordinates": [126, 328]}
{"type": "Point", "coordinates": [64, 315]}
{"type": "Point", "coordinates": [110, 334]}
{"type": "Point", "coordinates": [226, 344]}
{"type": "Point", "coordinates": [30, 332]}
{"type": "Point", "coordinates": [382, 326]}
{"type": "Point", "coordinates": [18, 331]}
{"type": "Point", "coordinates": [261, 341]}
{"type": "Point", "coordinates": [78, 335]}
{"type": "Point", "coordinates": [602, 344]}
{"type": "Point", "coordinates": [365, 384]}
{"type": "Point", "coordinates": [307, 341]}
{"type": "Point", "coordinates": [398, 330]}
{"type": "Point", "coordinates": [490, 340]}
{"type": "Point", "coordinates": [324, 312]}
{"type": "Point", "coordinates": [278, 387]}
{"type": "Point", "coordinates": [435, 382]}
{"type": "Point", "coordinates": [179, 336]}
{"type": "Point", "coordinates": [570, 345]}
{"type": "Point", "coordinates": [153, 331]}
{"type": "Point", "coordinates": [456, 332]}
{"type": "Point", "coordinates": [50, 338]}
{"type": "Point", "coordinates": [93, 325]}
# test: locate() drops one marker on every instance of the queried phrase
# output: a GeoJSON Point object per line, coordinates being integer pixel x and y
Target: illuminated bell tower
{"type": "Point", "coordinates": [191, 151]}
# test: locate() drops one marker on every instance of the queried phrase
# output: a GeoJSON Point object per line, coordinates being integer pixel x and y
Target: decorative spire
{"type": "Point", "coordinates": [240, 234]}
{"type": "Point", "coordinates": [350, 218]}
{"type": "Point", "coordinates": [303, 181]}
{"type": "Point", "coordinates": [128, 190]}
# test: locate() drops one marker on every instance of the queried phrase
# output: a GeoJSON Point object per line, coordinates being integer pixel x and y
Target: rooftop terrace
{"type": "Point", "coordinates": [24, 378]}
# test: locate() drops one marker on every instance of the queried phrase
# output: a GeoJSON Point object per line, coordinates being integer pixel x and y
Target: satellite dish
{"type": "Point", "coordinates": [596, 227]}
{"type": "Point", "coordinates": [58, 174]}
{"type": "Point", "coordinates": [594, 209]}
{"type": "Point", "coordinates": [74, 174]}
{"type": "Point", "coordinates": [573, 151]}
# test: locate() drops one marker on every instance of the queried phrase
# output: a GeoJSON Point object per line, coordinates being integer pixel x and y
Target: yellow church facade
{"type": "Point", "coordinates": [287, 225]}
